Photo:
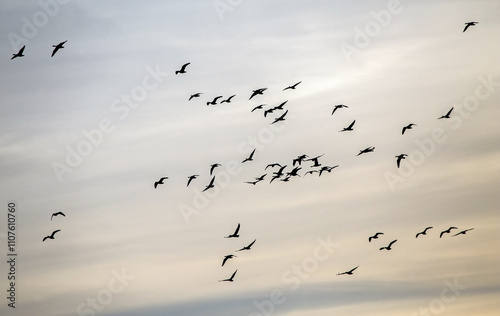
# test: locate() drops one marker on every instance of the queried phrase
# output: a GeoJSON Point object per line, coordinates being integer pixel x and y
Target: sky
{"type": "Point", "coordinates": [90, 130]}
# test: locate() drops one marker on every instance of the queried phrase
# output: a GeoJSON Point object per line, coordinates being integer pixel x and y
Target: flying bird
{"type": "Point", "coordinates": [366, 150]}
{"type": "Point", "coordinates": [327, 169]}
{"type": "Point", "coordinates": [235, 234]}
{"type": "Point", "coordinates": [195, 95]}
{"type": "Point", "coordinates": [249, 158]}
{"type": "Point", "coordinates": [57, 47]}
{"type": "Point", "coordinates": [280, 107]}
{"type": "Point", "coordinates": [374, 237]}
{"type": "Point", "coordinates": [338, 106]}
{"type": "Point", "coordinates": [348, 272]}
{"type": "Point", "coordinates": [258, 107]}
{"type": "Point", "coordinates": [228, 100]}
{"type": "Point", "coordinates": [272, 165]}
{"type": "Point", "coordinates": [292, 86]}
{"type": "Point", "coordinates": [214, 101]}
{"type": "Point", "coordinates": [212, 167]}
{"type": "Point", "coordinates": [281, 118]}
{"type": "Point", "coordinates": [463, 232]}
{"type": "Point", "coordinates": [294, 172]}
{"type": "Point", "coordinates": [256, 92]}
{"type": "Point", "coordinates": [191, 178]}
{"type": "Point", "coordinates": [51, 235]}
{"type": "Point", "coordinates": [447, 231]}
{"type": "Point", "coordinates": [19, 53]}
{"type": "Point", "coordinates": [227, 258]}
{"type": "Point", "coordinates": [210, 185]}
{"type": "Point", "coordinates": [467, 24]}
{"type": "Point", "coordinates": [160, 181]}
{"type": "Point", "coordinates": [447, 115]}
{"type": "Point", "coordinates": [400, 157]}
{"type": "Point", "coordinates": [424, 232]}
{"type": "Point", "coordinates": [315, 160]}
{"type": "Point", "coordinates": [409, 126]}
{"type": "Point", "coordinates": [348, 128]}
{"type": "Point", "coordinates": [247, 247]}
{"type": "Point", "coordinates": [389, 246]}
{"type": "Point", "coordinates": [182, 70]}
{"type": "Point", "coordinates": [57, 213]}
{"type": "Point", "coordinates": [271, 110]}
{"type": "Point", "coordinates": [311, 172]}
{"type": "Point", "coordinates": [231, 279]}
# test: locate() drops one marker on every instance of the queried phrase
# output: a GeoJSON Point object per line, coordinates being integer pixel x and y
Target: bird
{"type": "Point", "coordinates": [191, 178]}
{"type": "Point", "coordinates": [213, 166]}
{"type": "Point", "coordinates": [280, 107]}
{"type": "Point", "coordinates": [19, 53]}
{"type": "Point", "coordinates": [195, 95]}
{"type": "Point", "coordinates": [51, 236]}
{"type": "Point", "coordinates": [249, 158]}
{"type": "Point", "coordinates": [424, 232]}
{"type": "Point", "coordinates": [292, 86]}
{"type": "Point", "coordinates": [214, 101]}
{"type": "Point", "coordinates": [348, 128]}
{"type": "Point", "coordinates": [228, 100]}
{"type": "Point", "coordinates": [299, 159]}
{"type": "Point", "coordinates": [272, 165]}
{"type": "Point", "coordinates": [467, 24]}
{"type": "Point", "coordinates": [374, 237]}
{"type": "Point", "coordinates": [446, 116]}
{"type": "Point", "coordinates": [294, 172]}
{"type": "Point", "coordinates": [258, 107]}
{"type": "Point", "coordinates": [338, 106]}
{"type": "Point", "coordinates": [160, 181]}
{"type": "Point", "coordinates": [261, 177]}
{"type": "Point", "coordinates": [462, 232]}
{"type": "Point", "coordinates": [247, 247]}
{"type": "Point", "coordinates": [57, 47]}
{"type": "Point", "coordinates": [281, 118]}
{"type": "Point", "coordinates": [267, 111]}
{"type": "Point", "coordinates": [311, 172]}
{"type": "Point", "coordinates": [231, 279]}
{"type": "Point", "coordinates": [235, 234]}
{"type": "Point", "coordinates": [210, 185]}
{"type": "Point", "coordinates": [348, 272]}
{"type": "Point", "coordinates": [400, 157]}
{"type": "Point", "coordinates": [258, 91]}
{"type": "Point", "coordinates": [227, 257]}
{"type": "Point", "coordinates": [366, 150]}
{"type": "Point", "coordinates": [390, 244]}
{"type": "Point", "coordinates": [182, 70]}
{"type": "Point", "coordinates": [447, 231]}
{"type": "Point", "coordinates": [57, 213]}
{"type": "Point", "coordinates": [315, 160]}
{"type": "Point", "coordinates": [409, 126]}
{"type": "Point", "coordinates": [327, 169]}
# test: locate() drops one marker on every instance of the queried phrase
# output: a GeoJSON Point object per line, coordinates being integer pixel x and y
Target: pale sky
{"type": "Point", "coordinates": [91, 129]}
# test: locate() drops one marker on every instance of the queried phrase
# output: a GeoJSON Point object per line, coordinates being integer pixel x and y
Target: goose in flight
{"type": "Point", "coordinates": [294, 172]}
{"type": "Point", "coordinates": [281, 118]}
{"type": "Point", "coordinates": [272, 165]}
{"type": "Point", "coordinates": [258, 107]}
{"type": "Point", "coordinates": [280, 107]}
{"type": "Point", "coordinates": [235, 234]}
{"type": "Point", "coordinates": [191, 178]}
{"type": "Point", "coordinates": [348, 272]}
{"type": "Point", "coordinates": [292, 86]}
{"type": "Point", "coordinates": [214, 101]}
{"type": "Point", "coordinates": [228, 100]}
{"type": "Point", "coordinates": [57, 213]}
{"type": "Point", "coordinates": [315, 160]}
{"type": "Point", "coordinates": [446, 116]}
{"type": "Point", "coordinates": [210, 185]}
{"type": "Point", "coordinates": [424, 232]}
{"type": "Point", "coordinates": [212, 167]}
{"type": "Point", "coordinates": [348, 128]}
{"type": "Point", "coordinates": [227, 258]}
{"type": "Point", "coordinates": [311, 172]}
{"type": "Point", "coordinates": [258, 91]}
{"type": "Point", "coordinates": [389, 246]}
{"type": "Point", "coordinates": [400, 157]}
{"type": "Point", "coordinates": [447, 231]}
{"type": "Point", "coordinates": [409, 126]}
{"type": "Point", "coordinates": [327, 169]}
{"type": "Point", "coordinates": [182, 70]}
{"type": "Point", "coordinates": [257, 179]}
{"type": "Point", "coordinates": [469, 24]}
{"type": "Point", "coordinates": [57, 47]}
{"type": "Point", "coordinates": [231, 279]}
{"type": "Point", "coordinates": [374, 237]}
{"type": "Point", "coordinates": [51, 236]}
{"type": "Point", "coordinates": [195, 95]}
{"type": "Point", "coordinates": [19, 53]}
{"type": "Point", "coordinates": [249, 158]}
{"type": "Point", "coordinates": [299, 159]}
{"type": "Point", "coordinates": [463, 232]}
{"type": "Point", "coordinates": [247, 247]}
{"type": "Point", "coordinates": [366, 150]}
{"type": "Point", "coordinates": [271, 110]}
{"type": "Point", "coordinates": [160, 181]}
{"type": "Point", "coordinates": [338, 106]}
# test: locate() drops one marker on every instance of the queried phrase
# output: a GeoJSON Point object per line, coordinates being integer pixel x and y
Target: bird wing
{"type": "Point", "coordinates": [54, 51]}
{"type": "Point", "coordinates": [449, 112]}
{"type": "Point", "coordinates": [237, 229]}
{"type": "Point", "coordinates": [466, 27]}
{"type": "Point", "coordinates": [224, 261]}
{"type": "Point", "coordinates": [352, 124]}
{"type": "Point", "coordinates": [21, 50]}
{"type": "Point", "coordinates": [54, 232]}
{"type": "Point", "coordinates": [353, 269]}
{"type": "Point", "coordinates": [392, 242]}
{"type": "Point", "coordinates": [183, 68]}
{"type": "Point", "coordinates": [232, 276]}
{"type": "Point", "coordinates": [251, 244]}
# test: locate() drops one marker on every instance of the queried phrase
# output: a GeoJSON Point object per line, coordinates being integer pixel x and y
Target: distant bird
{"type": "Point", "coordinates": [424, 232]}
{"type": "Point", "coordinates": [51, 235]}
{"type": "Point", "coordinates": [348, 128]}
{"type": "Point", "coordinates": [214, 101]}
{"type": "Point", "coordinates": [227, 257]}
{"type": "Point", "coordinates": [210, 185]}
{"type": "Point", "coordinates": [280, 171]}
{"type": "Point", "coordinates": [182, 70]}
{"type": "Point", "coordinates": [462, 232]}
{"type": "Point", "coordinates": [256, 92]}
{"type": "Point", "coordinates": [160, 181]}
{"type": "Point", "coordinates": [409, 126]}
{"type": "Point", "coordinates": [280, 107]}
{"type": "Point", "coordinates": [258, 107]}
{"type": "Point", "coordinates": [338, 106]}
{"type": "Point", "coordinates": [228, 100]}
{"type": "Point", "coordinates": [57, 47]}
{"type": "Point", "coordinates": [400, 157]}
{"type": "Point", "coordinates": [281, 118]}
{"type": "Point", "coordinates": [261, 177]}
{"type": "Point", "coordinates": [272, 165]}
{"type": "Point", "coordinates": [389, 246]}
{"type": "Point", "coordinates": [311, 172]}
{"type": "Point", "coordinates": [252, 182]}
{"type": "Point", "coordinates": [212, 167]}
{"type": "Point", "coordinates": [374, 237]}
{"type": "Point", "coordinates": [447, 231]}
{"type": "Point", "coordinates": [235, 234]}
{"type": "Point", "coordinates": [327, 169]}
{"type": "Point", "coordinates": [267, 111]}
{"type": "Point", "coordinates": [366, 150]}
{"type": "Point", "coordinates": [231, 279]}
{"type": "Point", "coordinates": [57, 213]}
{"type": "Point", "coordinates": [19, 53]}
{"type": "Point", "coordinates": [294, 172]}
{"type": "Point", "coordinates": [249, 158]}
{"type": "Point", "coordinates": [195, 95]}
{"type": "Point", "coordinates": [348, 272]}
{"type": "Point", "coordinates": [315, 160]}
{"type": "Point", "coordinates": [285, 179]}
{"type": "Point", "coordinates": [191, 178]}
{"type": "Point", "coordinates": [469, 24]}
{"type": "Point", "coordinates": [447, 115]}
{"type": "Point", "coordinates": [299, 159]}
{"type": "Point", "coordinates": [292, 86]}
{"type": "Point", "coordinates": [247, 247]}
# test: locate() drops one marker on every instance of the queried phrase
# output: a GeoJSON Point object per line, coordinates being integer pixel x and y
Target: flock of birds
{"type": "Point", "coordinates": [230, 256]}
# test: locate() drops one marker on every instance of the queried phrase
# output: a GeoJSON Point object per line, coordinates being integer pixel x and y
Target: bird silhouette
{"type": "Point", "coordinates": [374, 237]}
{"type": "Point", "coordinates": [294, 172]}
{"type": "Point", "coordinates": [231, 279]}
{"type": "Point", "coordinates": [348, 272]}
{"type": "Point", "coordinates": [247, 247]}
{"type": "Point", "coordinates": [338, 106]}
{"type": "Point", "coordinates": [272, 165]}
{"type": "Point", "coordinates": [256, 92]}
{"type": "Point", "coordinates": [348, 128]}
{"type": "Point", "coordinates": [261, 177]}
{"type": "Point", "coordinates": [389, 246]}
{"type": "Point", "coordinates": [446, 116]}
{"type": "Point", "coordinates": [160, 181]}
{"type": "Point", "coordinates": [409, 126]}
{"type": "Point", "coordinates": [281, 118]}
{"type": "Point", "coordinates": [463, 232]}
{"type": "Point", "coordinates": [235, 234]}
{"type": "Point", "coordinates": [214, 101]}
{"type": "Point", "coordinates": [467, 24]}
{"type": "Point", "coordinates": [212, 167]}
{"type": "Point", "coordinates": [51, 236]}
{"type": "Point", "coordinates": [249, 158]}
{"type": "Point", "coordinates": [56, 214]}
{"type": "Point", "coordinates": [57, 47]}
{"type": "Point", "coordinates": [292, 86]}
{"type": "Point", "coordinates": [228, 100]}
{"type": "Point", "coordinates": [19, 53]}
{"type": "Point", "coordinates": [191, 178]}
{"type": "Point", "coordinates": [311, 172]}
{"type": "Point", "coordinates": [315, 160]}
{"type": "Point", "coordinates": [327, 169]}
{"type": "Point", "coordinates": [182, 70]}
{"type": "Point", "coordinates": [366, 150]}
{"type": "Point", "coordinates": [299, 159]}
{"type": "Point", "coordinates": [424, 232]}
{"type": "Point", "coordinates": [447, 231]}
{"type": "Point", "coordinates": [258, 107]}
{"type": "Point", "coordinates": [210, 185]}
{"type": "Point", "coordinates": [280, 107]}
{"type": "Point", "coordinates": [267, 111]}
{"type": "Point", "coordinates": [227, 257]}
{"type": "Point", "coordinates": [195, 95]}
{"type": "Point", "coordinates": [400, 157]}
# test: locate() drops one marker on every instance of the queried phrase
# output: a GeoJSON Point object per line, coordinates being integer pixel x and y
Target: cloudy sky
{"type": "Point", "coordinates": [91, 129]}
